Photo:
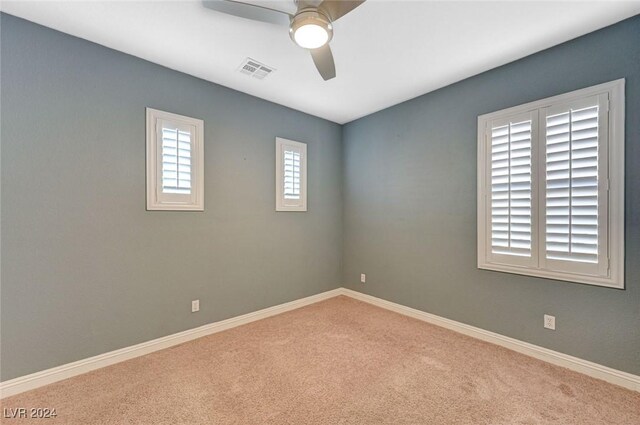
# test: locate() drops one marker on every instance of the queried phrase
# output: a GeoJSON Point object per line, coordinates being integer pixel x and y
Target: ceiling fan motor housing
{"type": "Point", "coordinates": [310, 17]}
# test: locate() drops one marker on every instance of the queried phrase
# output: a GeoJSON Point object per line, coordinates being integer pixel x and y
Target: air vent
{"type": "Point", "coordinates": [255, 69]}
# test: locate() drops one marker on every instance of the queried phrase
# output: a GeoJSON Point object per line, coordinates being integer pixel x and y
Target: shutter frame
{"type": "Point", "coordinates": [157, 199]}
{"type": "Point", "coordinates": [288, 201]}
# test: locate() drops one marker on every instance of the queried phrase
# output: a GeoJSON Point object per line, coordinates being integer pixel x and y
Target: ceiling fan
{"type": "Point", "coordinates": [310, 22]}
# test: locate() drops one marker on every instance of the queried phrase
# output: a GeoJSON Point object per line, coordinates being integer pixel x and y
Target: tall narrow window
{"type": "Point", "coordinates": [291, 175]}
{"type": "Point", "coordinates": [175, 175]}
{"type": "Point", "coordinates": [551, 187]}
{"type": "Point", "coordinates": [176, 160]}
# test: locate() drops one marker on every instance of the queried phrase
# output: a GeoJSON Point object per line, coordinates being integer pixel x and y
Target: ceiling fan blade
{"type": "Point", "coordinates": [304, 4]}
{"type": "Point", "coordinates": [323, 58]}
{"type": "Point", "coordinates": [338, 8]}
{"type": "Point", "coordinates": [256, 12]}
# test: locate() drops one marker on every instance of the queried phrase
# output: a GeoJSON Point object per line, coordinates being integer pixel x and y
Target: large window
{"type": "Point", "coordinates": [551, 187]}
{"type": "Point", "coordinates": [291, 175]}
{"type": "Point", "coordinates": [175, 162]}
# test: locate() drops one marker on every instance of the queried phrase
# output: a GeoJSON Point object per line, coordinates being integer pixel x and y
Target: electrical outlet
{"type": "Point", "coordinates": [550, 322]}
{"type": "Point", "coordinates": [195, 306]}
{"type": "Point", "coordinates": [363, 278]}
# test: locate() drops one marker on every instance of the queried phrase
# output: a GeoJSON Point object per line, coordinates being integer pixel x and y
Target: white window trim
{"type": "Point", "coordinates": [615, 220]}
{"type": "Point", "coordinates": [155, 201]}
{"type": "Point", "coordinates": [281, 203]}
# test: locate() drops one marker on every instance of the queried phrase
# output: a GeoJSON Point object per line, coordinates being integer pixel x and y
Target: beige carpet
{"type": "Point", "coordinates": [336, 362]}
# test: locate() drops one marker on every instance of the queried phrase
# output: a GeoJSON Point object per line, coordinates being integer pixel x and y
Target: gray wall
{"type": "Point", "coordinates": [410, 206]}
{"type": "Point", "coordinates": [85, 269]}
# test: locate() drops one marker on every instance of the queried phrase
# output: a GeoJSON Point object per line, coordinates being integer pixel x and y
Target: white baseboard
{"type": "Point", "coordinates": [617, 377]}
{"type": "Point", "coordinates": [49, 376]}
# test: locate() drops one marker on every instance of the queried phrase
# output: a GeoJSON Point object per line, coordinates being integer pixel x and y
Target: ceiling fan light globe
{"type": "Point", "coordinates": [311, 36]}
{"type": "Point", "coordinates": [311, 29]}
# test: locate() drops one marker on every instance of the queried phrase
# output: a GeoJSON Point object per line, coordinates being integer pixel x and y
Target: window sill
{"type": "Point", "coordinates": [175, 207]}
{"type": "Point", "coordinates": [608, 282]}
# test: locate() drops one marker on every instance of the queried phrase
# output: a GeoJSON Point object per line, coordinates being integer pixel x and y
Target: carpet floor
{"type": "Point", "coordinates": [339, 361]}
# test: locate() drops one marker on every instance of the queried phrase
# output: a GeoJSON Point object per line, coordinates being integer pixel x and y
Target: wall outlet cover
{"type": "Point", "coordinates": [550, 322]}
{"type": "Point", "coordinates": [363, 278]}
{"type": "Point", "coordinates": [195, 306]}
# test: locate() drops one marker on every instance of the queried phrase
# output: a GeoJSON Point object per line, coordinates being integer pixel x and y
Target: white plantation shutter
{"type": "Point", "coordinates": [551, 187]}
{"type": "Point", "coordinates": [291, 175]}
{"type": "Point", "coordinates": [511, 188]}
{"type": "Point", "coordinates": [175, 162]}
{"type": "Point", "coordinates": [572, 185]}
{"type": "Point", "coordinates": [574, 191]}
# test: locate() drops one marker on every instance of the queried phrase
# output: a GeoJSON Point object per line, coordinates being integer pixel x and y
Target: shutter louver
{"type": "Point", "coordinates": [291, 174]}
{"type": "Point", "coordinates": [176, 161]}
{"type": "Point", "coordinates": [511, 189]}
{"type": "Point", "coordinates": [572, 185]}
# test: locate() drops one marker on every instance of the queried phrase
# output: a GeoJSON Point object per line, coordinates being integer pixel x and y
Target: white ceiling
{"type": "Point", "coordinates": [385, 51]}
